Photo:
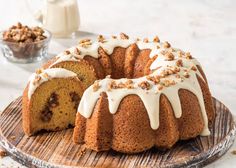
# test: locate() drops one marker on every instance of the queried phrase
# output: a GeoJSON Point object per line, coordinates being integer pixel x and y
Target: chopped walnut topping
{"type": "Point", "coordinates": [39, 71]}
{"type": "Point", "coordinates": [86, 45]}
{"type": "Point", "coordinates": [112, 85]}
{"type": "Point", "coordinates": [145, 40]}
{"type": "Point", "coordinates": [114, 37]}
{"type": "Point", "coordinates": [36, 80]}
{"type": "Point", "coordinates": [163, 52]}
{"type": "Point", "coordinates": [156, 39]}
{"type": "Point", "coordinates": [169, 56]}
{"type": "Point", "coordinates": [84, 41]}
{"type": "Point", "coordinates": [45, 75]}
{"type": "Point", "coordinates": [158, 47]}
{"type": "Point", "coordinates": [101, 39]}
{"type": "Point", "coordinates": [177, 76]}
{"type": "Point", "coordinates": [179, 63]}
{"type": "Point", "coordinates": [144, 85]}
{"type": "Point", "coordinates": [185, 69]}
{"type": "Point", "coordinates": [124, 36]}
{"type": "Point", "coordinates": [194, 68]}
{"type": "Point", "coordinates": [77, 51]}
{"type": "Point", "coordinates": [137, 39]}
{"type": "Point", "coordinates": [129, 81]}
{"type": "Point", "coordinates": [175, 69]}
{"type": "Point", "coordinates": [129, 84]}
{"type": "Point", "coordinates": [149, 77]}
{"type": "Point", "coordinates": [160, 87]}
{"type": "Point", "coordinates": [188, 55]}
{"type": "Point", "coordinates": [23, 34]}
{"type": "Point", "coordinates": [168, 83]}
{"type": "Point", "coordinates": [96, 86]}
{"type": "Point", "coordinates": [186, 75]}
{"type": "Point", "coordinates": [180, 53]}
{"type": "Point", "coordinates": [166, 44]}
{"type": "Point", "coordinates": [121, 85]}
{"type": "Point", "coordinates": [155, 79]}
{"type": "Point", "coordinates": [67, 52]}
{"type": "Point", "coordinates": [164, 73]}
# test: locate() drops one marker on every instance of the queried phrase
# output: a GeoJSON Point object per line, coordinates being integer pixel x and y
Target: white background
{"type": "Point", "coordinates": [206, 28]}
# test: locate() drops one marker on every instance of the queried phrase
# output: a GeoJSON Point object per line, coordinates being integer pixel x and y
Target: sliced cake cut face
{"type": "Point", "coordinates": [51, 100]}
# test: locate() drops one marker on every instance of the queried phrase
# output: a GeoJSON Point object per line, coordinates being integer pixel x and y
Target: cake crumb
{"type": "Point", "coordinates": [13, 137]}
{"type": "Point", "coordinates": [3, 153]}
{"type": "Point", "coordinates": [233, 152]}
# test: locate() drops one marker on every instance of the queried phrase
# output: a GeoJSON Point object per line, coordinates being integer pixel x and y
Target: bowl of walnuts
{"type": "Point", "coordinates": [24, 44]}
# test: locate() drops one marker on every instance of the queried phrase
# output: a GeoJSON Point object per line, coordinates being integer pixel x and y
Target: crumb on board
{"type": "Point", "coordinates": [233, 152]}
{"type": "Point", "coordinates": [13, 137]}
{"type": "Point", "coordinates": [3, 153]}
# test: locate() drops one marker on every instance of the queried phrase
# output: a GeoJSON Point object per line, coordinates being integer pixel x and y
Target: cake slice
{"type": "Point", "coordinates": [50, 100]}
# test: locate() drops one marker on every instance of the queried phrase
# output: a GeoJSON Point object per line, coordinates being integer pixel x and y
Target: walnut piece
{"type": "Point", "coordinates": [156, 39]}
{"type": "Point", "coordinates": [77, 51]}
{"type": "Point", "coordinates": [186, 75]}
{"type": "Point", "coordinates": [179, 63]}
{"type": "Point", "coordinates": [169, 56]}
{"type": "Point", "coordinates": [166, 44]}
{"type": "Point", "coordinates": [124, 36]}
{"type": "Point", "coordinates": [67, 52]}
{"type": "Point", "coordinates": [144, 85]}
{"type": "Point", "coordinates": [145, 40]}
{"type": "Point", "coordinates": [96, 86]}
{"type": "Point", "coordinates": [23, 34]}
{"type": "Point", "coordinates": [101, 39]}
{"type": "Point", "coordinates": [188, 55]}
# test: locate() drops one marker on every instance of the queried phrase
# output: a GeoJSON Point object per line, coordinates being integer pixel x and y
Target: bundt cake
{"type": "Point", "coordinates": [50, 100]}
{"type": "Point", "coordinates": [137, 94]}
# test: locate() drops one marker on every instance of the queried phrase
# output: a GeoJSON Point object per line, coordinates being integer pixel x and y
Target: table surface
{"type": "Point", "coordinates": [205, 28]}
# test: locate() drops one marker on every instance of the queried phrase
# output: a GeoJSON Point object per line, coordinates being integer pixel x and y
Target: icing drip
{"type": "Point", "coordinates": [37, 79]}
{"type": "Point", "coordinates": [150, 96]}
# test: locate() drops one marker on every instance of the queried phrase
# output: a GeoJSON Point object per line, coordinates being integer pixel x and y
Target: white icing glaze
{"type": "Point", "coordinates": [149, 97]}
{"type": "Point", "coordinates": [50, 73]}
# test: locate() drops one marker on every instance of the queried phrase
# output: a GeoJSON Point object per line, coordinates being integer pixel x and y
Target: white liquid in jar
{"type": "Point", "coordinates": [61, 17]}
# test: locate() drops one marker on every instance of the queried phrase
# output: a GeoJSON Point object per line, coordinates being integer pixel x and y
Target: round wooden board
{"type": "Point", "coordinates": [56, 149]}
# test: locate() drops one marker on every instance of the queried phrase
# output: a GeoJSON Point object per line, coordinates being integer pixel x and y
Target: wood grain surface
{"type": "Point", "coordinates": [56, 149]}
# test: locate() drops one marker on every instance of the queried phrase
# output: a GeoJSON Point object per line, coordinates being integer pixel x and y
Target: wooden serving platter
{"type": "Point", "coordinates": [56, 149]}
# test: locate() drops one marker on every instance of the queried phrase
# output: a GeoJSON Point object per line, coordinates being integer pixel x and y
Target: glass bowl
{"type": "Point", "coordinates": [25, 52]}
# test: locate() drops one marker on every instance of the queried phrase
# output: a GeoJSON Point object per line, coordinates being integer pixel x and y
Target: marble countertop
{"type": "Point", "coordinates": [205, 28]}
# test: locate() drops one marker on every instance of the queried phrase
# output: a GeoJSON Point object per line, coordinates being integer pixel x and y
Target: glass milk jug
{"type": "Point", "coordinates": [61, 17]}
